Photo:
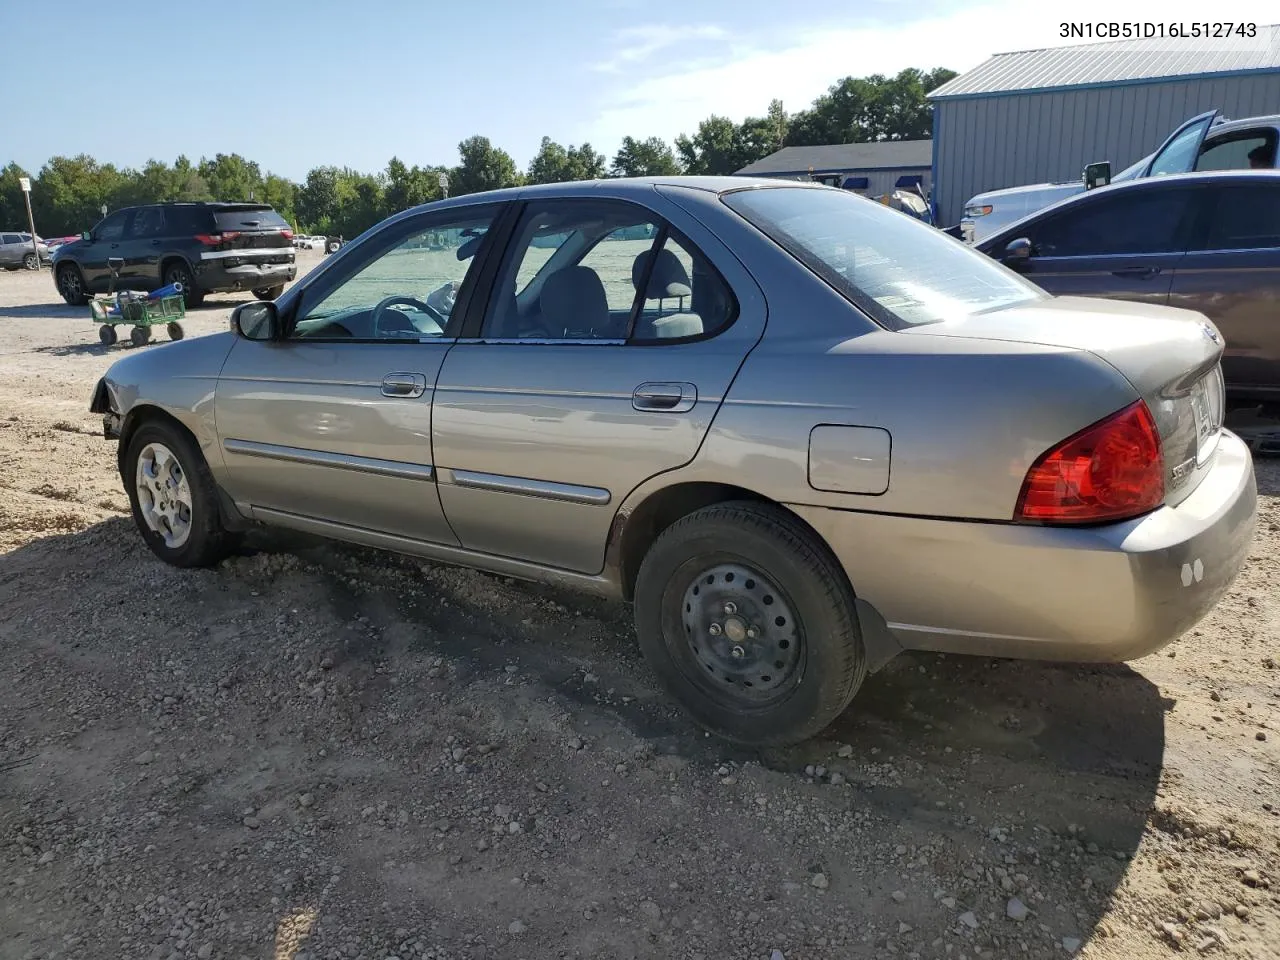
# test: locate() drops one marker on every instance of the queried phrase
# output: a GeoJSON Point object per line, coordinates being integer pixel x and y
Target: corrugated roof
{"type": "Point", "coordinates": [879, 155]}
{"type": "Point", "coordinates": [1116, 61]}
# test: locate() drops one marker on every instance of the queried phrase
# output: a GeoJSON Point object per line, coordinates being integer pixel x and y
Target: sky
{"type": "Point", "coordinates": [306, 83]}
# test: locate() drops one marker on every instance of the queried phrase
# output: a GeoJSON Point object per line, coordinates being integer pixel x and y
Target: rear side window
{"type": "Point", "coordinates": [1147, 221]}
{"type": "Point", "coordinates": [1245, 218]}
{"type": "Point", "coordinates": [148, 222]}
{"type": "Point", "coordinates": [1238, 153]}
{"type": "Point", "coordinates": [252, 218]}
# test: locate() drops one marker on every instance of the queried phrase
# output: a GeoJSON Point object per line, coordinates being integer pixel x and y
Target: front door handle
{"type": "Point", "coordinates": [665, 397]}
{"type": "Point", "coordinates": [1140, 273]}
{"type": "Point", "coordinates": [403, 385]}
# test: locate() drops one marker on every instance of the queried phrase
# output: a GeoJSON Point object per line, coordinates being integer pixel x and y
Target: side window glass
{"type": "Point", "coordinates": [1245, 218]}
{"type": "Point", "coordinates": [147, 222]}
{"type": "Point", "coordinates": [9, 238]}
{"type": "Point", "coordinates": [1180, 154]}
{"type": "Point", "coordinates": [684, 296]}
{"type": "Point", "coordinates": [1148, 222]}
{"type": "Point", "coordinates": [1235, 154]}
{"type": "Point", "coordinates": [569, 271]}
{"type": "Point", "coordinates": [407, 292]}
{"type": "Point", "coordinates": [112, 228]}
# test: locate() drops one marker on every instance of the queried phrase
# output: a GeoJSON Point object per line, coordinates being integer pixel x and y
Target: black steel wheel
{"type": "Point", "coordinates": [140, 336]}
{"type": "Point", "coordinates": [72, 286]}
{"type": "Point", "coordinates": [750, 623]}
{"type": "Point", "coordinates": [175, 330]}
{"type": "Point", "coordinates": [107, 334]}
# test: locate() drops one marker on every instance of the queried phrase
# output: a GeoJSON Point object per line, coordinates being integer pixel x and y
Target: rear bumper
{"type": "Point", "coordinates": [1108, 593]}
{"type": "Point", "coordinates": [216, 277]}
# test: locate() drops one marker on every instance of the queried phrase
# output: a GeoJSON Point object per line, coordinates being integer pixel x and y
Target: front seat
{"type": "Point", "coordinates": [668, 281]}
{"type": "Point", "coordinates": [574, 304]}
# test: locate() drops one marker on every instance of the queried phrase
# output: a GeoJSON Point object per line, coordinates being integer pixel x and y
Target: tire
{"type": "Point", "coordinates": [71, 285]}
{"type": "Point", "coordinates": [332, 246]}
{"type": "Point", "coordinates": [175, 331]}
{"type": "Point", "coordinates": [269, 293]}
{"type": "Point", "coordinates": [31, 261]}
{"type": "Point", "coordinates": [107, 334]}
{"type": "Point", "coordinates": [140, 336]}
{"type": "Point", "coordinates": [782, 606]}
{"type": "Point", "coordinates": [197, 539]}
{"type": "Point", "coordinates": [180, 273]}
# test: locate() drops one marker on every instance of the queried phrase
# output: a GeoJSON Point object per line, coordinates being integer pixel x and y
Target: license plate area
{"type": "Point", "coordinates": [1207, 403]}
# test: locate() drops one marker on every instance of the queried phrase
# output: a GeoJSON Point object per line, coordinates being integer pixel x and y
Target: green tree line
{"type": "Point", "coordinates": [68, 193]}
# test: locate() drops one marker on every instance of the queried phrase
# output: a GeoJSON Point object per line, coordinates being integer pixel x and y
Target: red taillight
{"type": "Point", "coordinates": [1110, 471]}
{"type": "Point", "coordinates": [287, 234]}
{"type": "Point", "coordinates": [213, 239]}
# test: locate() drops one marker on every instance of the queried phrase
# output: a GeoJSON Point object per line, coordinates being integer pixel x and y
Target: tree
{"type": "Point", "coordinates": [13, 208]}
{"type": "Point", "coordinates": [556, 164]}
{"type": "Point", "coordinates": [644, 158]}
{"type": "Point", "coordinates": [410, 186]}
{"type": "Point", "coordinates": [231, 177]}
{"type": "Point", "coordinates": [862, 109]}
{"type": "Point", "coordinates": [483, 167]}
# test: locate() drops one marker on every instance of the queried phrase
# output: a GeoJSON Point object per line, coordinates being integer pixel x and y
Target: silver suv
{"type": "Point", "coordinates": [15, 251]}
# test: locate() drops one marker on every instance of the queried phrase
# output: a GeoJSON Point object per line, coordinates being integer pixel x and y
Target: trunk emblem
{"type": "Point", "coordinates": [1210, 333]}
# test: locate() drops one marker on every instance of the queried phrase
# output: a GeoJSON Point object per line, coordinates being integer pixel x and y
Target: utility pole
{"type": "Point", "coordinates": [25, 183]}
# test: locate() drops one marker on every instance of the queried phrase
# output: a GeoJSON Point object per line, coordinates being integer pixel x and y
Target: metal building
{"type": "Point", "coordinates": [868, 168]}
{"type": "Point", "coordinates": [1042, 115]}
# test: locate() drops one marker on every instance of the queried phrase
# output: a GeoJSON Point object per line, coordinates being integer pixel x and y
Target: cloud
{"type": "Point", "coordinates": [640, 44]}
{"type": "Point", "coordinates": [739, 71]}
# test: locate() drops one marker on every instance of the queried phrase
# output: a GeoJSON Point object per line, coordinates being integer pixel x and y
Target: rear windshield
{"type": "Point", "coordinates": [250, 218]}
{"type": "Point", "coordinates": [897, 269]}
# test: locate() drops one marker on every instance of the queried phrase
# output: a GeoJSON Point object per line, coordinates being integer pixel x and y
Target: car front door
{"type": "Point", "coordinates": [1178, 153]}
{"type": "Point", "coordinates": [611, 335]}
{"type": "Point", "coordinates": [107, 238]}
{"type": "Point", "coordinates": [1123, 243]}
{"type": "Point", "coordinates": [329, 427]}
{"type": "Point", "coordinates": [1232, 275]}
{"type": "Point", "coordinates": [142, 248]}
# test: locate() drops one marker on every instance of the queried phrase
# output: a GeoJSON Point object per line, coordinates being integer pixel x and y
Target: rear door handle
{"type": "Point", "coordinates": [665, 397]}
{"type": "Point", "coordinates": [403, 385]}
{"type": "Point", "coordinates": [1141, 273]}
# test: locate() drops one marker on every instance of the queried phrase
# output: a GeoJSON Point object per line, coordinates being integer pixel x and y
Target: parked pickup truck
{"type": "Point", "coordinates": [1205, 142]}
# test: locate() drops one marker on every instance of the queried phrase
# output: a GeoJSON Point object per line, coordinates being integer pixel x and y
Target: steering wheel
{"type": "Point", "coordinates": [417, 304]}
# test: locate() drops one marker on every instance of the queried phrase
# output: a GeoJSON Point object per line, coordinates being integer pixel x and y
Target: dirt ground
{"type": "Point", "coordinates": [320, 752]}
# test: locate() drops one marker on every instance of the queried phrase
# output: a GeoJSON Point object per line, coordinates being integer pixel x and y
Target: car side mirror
{"type": "Point", "coordinates": [87, 237]}
{"type": "Point", "coordinates": [1097, 174]}
{"type": "Point", "coordinates": [259, 320]}
{"type": "Point", "coordinates": [1017, 253]}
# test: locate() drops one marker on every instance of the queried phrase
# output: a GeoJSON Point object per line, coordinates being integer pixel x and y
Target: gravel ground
{"type": "Point", "coordinates": [320, 752]}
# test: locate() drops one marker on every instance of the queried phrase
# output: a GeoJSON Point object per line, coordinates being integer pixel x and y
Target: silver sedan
{"type": "Point", "coordinates": [798, 430]}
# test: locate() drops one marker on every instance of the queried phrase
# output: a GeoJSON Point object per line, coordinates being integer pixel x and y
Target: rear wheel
{"type": "Point", "coordinates": [140, 336]}
{"type": "Point", "coordinates": [750, 624]}
{"type": "Point", "coordinates": [72, 286]}
{"type": "Point", "coordinates": [269, 293]}
{"type": "Point", "coordinates": [181, 273]}
{"type": "Point", "coordinates": [31, 261]}
{"type": "Point", "coordinates": [107, 334]}
{"type": "Point", "coordinates": [174, 498]}
{"type": "Point", "coordinates": [175, 331]}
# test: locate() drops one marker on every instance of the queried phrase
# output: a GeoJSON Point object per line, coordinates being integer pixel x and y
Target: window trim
{"type": "Point", "coordinates": [387, 237]}
{"type": "Point", "coordinates": [473, 329]}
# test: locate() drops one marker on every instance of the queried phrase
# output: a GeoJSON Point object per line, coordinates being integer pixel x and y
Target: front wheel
{"type": "Point", "coordinates": [180, 273]}
{"type": "Point", "coordinates": [72, 286]}
{"type": "Point", "coordinates": [750, 624]}
{"type": "Point", "coordinates": [31, 261]}
{"type": "Point", "coordinates": [107, 334]}
{"type": "Point", "coordinates": [140, 336]}
{"type": "Point", "coordinates": [175, 330]}
{"type": "Point", "coordinates": [173, 497]}
{"type": "Point", "coordinates": [269, 293]}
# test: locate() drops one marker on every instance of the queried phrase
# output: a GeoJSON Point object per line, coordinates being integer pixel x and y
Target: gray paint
{"type": "Point", "coordinates": [992, 142]}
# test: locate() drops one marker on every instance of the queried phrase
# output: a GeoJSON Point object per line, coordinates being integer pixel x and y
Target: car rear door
{"type": "Point", "coordinates": [329, 428]}
{"type": "Point", "coordinates": [1122, 243]}
{"type": "Point", "coordinates": [1232, 275]}
{"type": "Point", "coordinates": [610, 338]}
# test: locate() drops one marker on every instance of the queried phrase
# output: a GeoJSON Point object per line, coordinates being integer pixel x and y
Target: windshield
{"type": "Point", "coordinates": [900, 271]}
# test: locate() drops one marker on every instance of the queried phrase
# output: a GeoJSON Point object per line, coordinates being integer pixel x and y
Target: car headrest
{"type": "Point", "coordinates": [575, 297]}
{"type": "Point", "coordinates": [669, 277]}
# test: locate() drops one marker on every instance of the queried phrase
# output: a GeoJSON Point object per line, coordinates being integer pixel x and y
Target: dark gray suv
{"type": "Point", "coordinates": [1205, 241]}
{"type": "Point", "coordinates": [207, 247]}
{"type": "Point", "coordinates": [16, 252]}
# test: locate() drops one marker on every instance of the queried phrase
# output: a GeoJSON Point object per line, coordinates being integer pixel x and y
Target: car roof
{"type": "Point", "coordinates": [1230, 126]}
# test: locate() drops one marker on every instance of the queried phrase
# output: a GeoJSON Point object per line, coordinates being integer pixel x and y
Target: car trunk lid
{"type": "Point", "coordinates": [247, 228]}
{"type": "Point", "coordinates": [1170, 356]}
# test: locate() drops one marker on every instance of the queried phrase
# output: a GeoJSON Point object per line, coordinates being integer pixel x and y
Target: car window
{"type": "Point", "coordinates": [897, 269]}
{"type": "Point", "coordinates": [112, 228]}
{"type": "Point", "coordinates": [407, 291]}
{"type": "Point", "coordinates": [1145, 221]}
{"type": "Point", "coordinates": [1180, 154]}
{"type": "Point", "coordinates": [569, 272]}
{"type": "Point", "coordinates": [1233, 153]}
{"type": "Point", "coordinates": [1245, 218]}
{"type": "Point", "coordinates": [684, 295]}
{"type": "Point", "coordinates": [147, 222]}
{"type": "Point", "coordinates": [10, 238]}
